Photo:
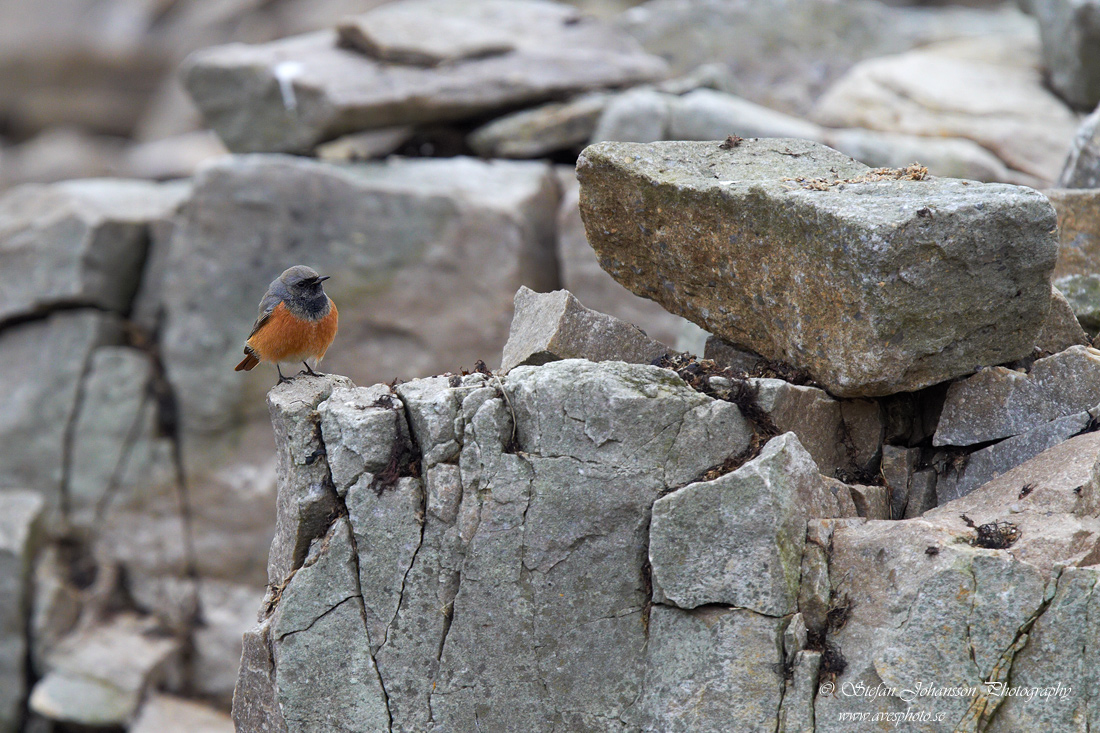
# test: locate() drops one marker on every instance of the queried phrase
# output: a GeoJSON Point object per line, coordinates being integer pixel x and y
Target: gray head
{"type": "Point", "coordinates": [302, 291]}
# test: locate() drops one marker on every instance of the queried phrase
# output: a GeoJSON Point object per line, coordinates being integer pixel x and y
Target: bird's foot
{"type": "Point", "coordinates": [282, 379]}
{"type": "Point", "coordinates": [309, 371]}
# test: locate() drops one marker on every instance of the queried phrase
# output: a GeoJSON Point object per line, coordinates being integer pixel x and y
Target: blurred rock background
{"type": "Point", "coordinates": [422, 155]}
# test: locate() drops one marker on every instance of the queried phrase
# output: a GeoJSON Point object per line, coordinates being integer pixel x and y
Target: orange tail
{"type": "Point", "coordinates": [247, 363]}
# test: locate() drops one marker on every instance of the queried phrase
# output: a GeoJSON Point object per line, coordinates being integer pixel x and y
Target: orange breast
{"type": "Point", "coordinates": [285, 337]}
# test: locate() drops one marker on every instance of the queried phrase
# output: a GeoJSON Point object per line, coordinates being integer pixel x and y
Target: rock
{"type": "Point", "coordinates": [20, 515]}
{"type": "Point", "coordinates": [872, 502]}
{"type": "Point", "coordinates": [706, 114]}
{"type": "Point", "coordinates": [292, 94]}
{"type": "Point", "coordinates": [78, 242]}
{"type": "Point", "coordinates": [61, 154]}
{"type": "Point", "coordinates": [1001, 402]}
{"type": "Point", "coordinates": [731, 356]}
{"type": "Point", "coordinates": [551, 326]}
{"type": "Point", "coordinates": [737, 540]}
{"type": "Point", "coordinates": [977, 96]}
{"type": "Point", "coordinates": [320, 617]}
{"type": "Point", "coordinates": [846, 507]}
{"type": "Point", "coordinates": [359, 146]}
{"type": "Point", "coordinates": [854, 331]}
{"type": "Point", "coordinates": [1082, 167]}
{"type": "Point", "coordinates": [1069, 29]}
{"type": "Point", "coordinates": [639, 115]}
{"type": "Point", "coordinates": [446, 218]}
{"type": "Point", "coordinates": [554, 531]}
{"type": "Point", "coordinates": [99, 675]}
{"type": "Point", "coordinates": [582, 275]}
{"type": "Point", "coordinates": [796, 715]}
{"type": "Point", "coordinates": [1078, 231]}
{"type": "Point", "coordinates": [898, 466]}
{"type": "Point", "coordinates": [57, 604]}
{"type": "Point", "coordinates": [168, 714]}
{"type": "Point", "coordinates": [770, 61]}
{"type": "Point", "coordinates": [953, 157]}
{"type": "Point", "coordinates": [537, 132]}
{"type": "Point", "coordinates": [922, 493]}
{"type": "Point", "coordinates": [397, 34]}
{"type": "Point", "coordinates": [922, 597]}
{"type": "Point", "coordinates": [984, 465]}
{"type": "Point", "coordinates": [843, 437]}
{"type": "Point", "coordinates": [114, 443]}
{"type": "Point", "coordinates": [228, 612]}
{"type": "Point", "coordinates": [1061, 330]}
{"type": "Point", "coordinates": [1062, 632]}
{"type": "Point", "coordinates": [1082, 292]}
{"type": "Point", "coordinates": [307, 498]}
{"type": "Point", "coordinates": [708, 667]}
{"type": "Point", "coordinates": [179, 156]}
{"type": "Point", "coordinates": [37, 411]}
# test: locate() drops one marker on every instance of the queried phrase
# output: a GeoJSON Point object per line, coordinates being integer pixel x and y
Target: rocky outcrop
{"type": "Point", "coordinates": [752, 240]}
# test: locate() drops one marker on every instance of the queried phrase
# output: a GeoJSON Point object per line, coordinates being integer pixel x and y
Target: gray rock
{"type": "Point", "coordinates": [948, 157]}
{"type": "Point", "coordinates": [388, 233]}
{"type": "Point", "coordinates": [692, 680]}
{"type": "Point", "coordinates": [432, 406]}
{"type": "Point", "coordinates": [366, 430]}
{"type": "Point", "coordinates": [1062, 329]}
{"type": "Point", "coordinates": [307, 499]}
{"type": "Point", "coordinates": [986, 464]}
{"type": "Point", "coordinates": [1078, 231]}
{"type": "Point", "coordinates": [1082, 292]}
{"type": "Point", "coordinates": [78, 242]}
{"type": "Point", "coordinates": [922, 493]}
{"type": "Point", "coordinates": [706, 114]}
{"type": "Point", "coordinates": [169, 714]}
{"type": "Point", "coordinates": [398, 34]}
{"type": "Point", "coordinates": [898, 467]}
{"type": "Point", "coordinates": [843, 437]}
{"type": "Point", "coordinates": [852, 329]}
{"type": "Point", "coordinates": [228, 612]}
{"type": "Point", "coordinates": [815, 591]}
{"type": "Point", "coordinates": [872, 502]}
{"type": "Point", "coordinates": [582, 275]}
{"type": "Point", "coordinates": [114, 444]}
{"type": "Point", "coordinates": [20, 535]}
{"type": "Point", "coordinates": [639, 115]}
{"type": "Point", "coordinates": [1082, 167]}
{"type": "Point", "coordinates": [37, 411]}
{"type": "Point", "coordinates": [1001, 402]}
{"type": "Point", "coordinates": [737, 540]}
{"type": "Point", "coordinates": [289, 95]}
{"type": "Point", "coordinates": [319, 618]}
{"type": "Point", "coordinates": [1069, 29]}
{"type": "Point", "coordinates": [98, 676]}
{"type": "Point", "coordinates": [1057, 661]}
{"type": "Point", "coordinates": [537, 132]}
{"type": "Point", "coordinates": [551, 326]}
{"type": "Point", "coordinates": [988, 90]}
{"type": "Point", "coordinates": [796, 715]}
{"type": "Point", "coordinates": [731, 356]}
{"type": "Point", "coordinates": [57, 605]}
{"type": "Point", "coordinates": [770, 60]}
{"type": "Point", "coordinates": [254, 704]}
{"type": "Point", "coordinates": [359, 146]}
{"type": "Point", "coordinates": [842, 492]}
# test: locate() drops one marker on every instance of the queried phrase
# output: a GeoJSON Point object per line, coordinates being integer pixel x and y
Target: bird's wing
{"type": "Point", "coordinates": [267, 307]}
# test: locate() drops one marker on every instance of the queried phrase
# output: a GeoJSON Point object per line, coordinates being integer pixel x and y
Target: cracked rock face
{"type": "Point", "coordinates": [873, 287]}
{"type": "Point", "coordinates": [486, 564]}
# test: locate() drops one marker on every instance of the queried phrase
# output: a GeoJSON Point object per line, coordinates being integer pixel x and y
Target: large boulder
{"type": "Point", "coordinates": [874, 282]}
{"type": "Point", "coordinates": [290, 95]}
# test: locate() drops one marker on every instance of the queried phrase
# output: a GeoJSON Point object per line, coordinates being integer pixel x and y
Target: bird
{"type": "Point", "coordinates": [297, 321]}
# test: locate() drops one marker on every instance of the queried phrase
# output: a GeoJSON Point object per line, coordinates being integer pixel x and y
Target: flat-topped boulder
{"type": "Point", "coordinates": [291, 94]}
{"type": "Point", "coordinates": [874, 281]}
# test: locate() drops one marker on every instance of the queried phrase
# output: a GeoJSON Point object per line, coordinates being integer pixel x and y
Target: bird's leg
{"type": "Point", "coordinates": [282, 379]}
{"type": "Point", "coordinates": [309, 371]}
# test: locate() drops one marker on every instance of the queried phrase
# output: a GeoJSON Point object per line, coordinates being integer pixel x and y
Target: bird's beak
{"type": "Point", "coordinates": [322, 279]}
